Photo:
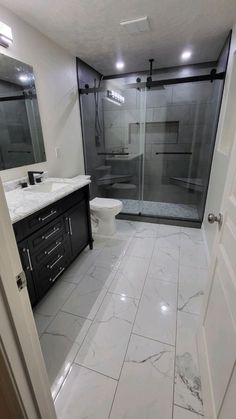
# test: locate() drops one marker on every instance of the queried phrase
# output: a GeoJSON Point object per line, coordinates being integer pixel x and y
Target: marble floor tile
{"type": "Point", "coordinates": [192, 234]}
{"type": "Point", "coordinates": [141, 247]}
{"type": "Point", "coordinates": [42, 321]}
{"type": "Point", "coordinates": [191, 295]}
{"type": "Point", "coordinates": [85, 395]}
{"type": "Point", "coordinates": [103, 274]}
{"type": "Point", "coordinates": [112, 253]}
{"type": "Point", "coordinates": [55, 298]}
{"type": "Point", "coordinates": [156, 317]}
{"type": "Point", "coordinates": [146, 230]}
{"type": "Point", "coordinates": [59, 353]}
{"type": "Point", "coordinates": [87, 297]}
{"type": "Point", "coordinates": [130, 277]}
{"type": "Point", "coordinates": [168, 237]}
{"type": "Point", "coordinates": [187, 273]}
{"type": "Point", "coordinates": [164, 264]}
{"type": "Point", "coordinates": [80, 266]}
{"type": "Point", "coordinates": [145, 389]}
{"type": "Point", "coordinates": [187, 375]}
{"type": "Point", "coordinates": [180, 413]}
{"type": "Point", "coordinates": [60, 344]}
{"type": "Point", "coordinates": [193, 254]}
{"type": "Point", "coordinates": [74, 328]}
{"type": "Point", "coordinates": [125, 228]}
{"type": "Point", "coordinates": [104, 347]}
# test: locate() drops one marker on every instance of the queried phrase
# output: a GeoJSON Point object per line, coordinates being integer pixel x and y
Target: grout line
{"type": "Point", "coordinates": [176, 328]}
{"type": "Point", "coordinates": [131, 332]}
{"type": "Point", "coordinates": [155, 340]}
{"type": "Point", "coordinates": [97, 372]}
{"type": "Point", "coordinates": [188, 410]}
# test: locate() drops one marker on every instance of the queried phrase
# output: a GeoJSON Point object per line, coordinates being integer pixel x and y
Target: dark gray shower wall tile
{"type": "Point", "coordinates": [157, 98]}
{"type": "Point", "coordinates": [173, 112]}
{"type": "Point", "coordinates": [202, 113]}
{"type": "Point", "coordinates": [113, 118]}
{"type": "Point", "coordinates": [192, 93]}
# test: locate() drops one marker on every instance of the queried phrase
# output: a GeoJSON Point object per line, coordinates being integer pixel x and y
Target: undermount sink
{"type": "Point", "coordinates": [47, 187]}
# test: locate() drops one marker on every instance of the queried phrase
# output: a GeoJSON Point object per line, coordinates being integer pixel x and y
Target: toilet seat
{"type": "Point", "coordinates": [105, 203]}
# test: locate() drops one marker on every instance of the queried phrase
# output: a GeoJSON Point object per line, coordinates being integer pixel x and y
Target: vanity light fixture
{"type": "Point", "coordinates": [115, 97]}
{"type": "Point", "coordinates": [6, 38]}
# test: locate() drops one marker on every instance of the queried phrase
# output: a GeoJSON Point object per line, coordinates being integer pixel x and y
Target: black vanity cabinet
{"type": "Point", "coordinates": [24, 252]}
{"type": "Point", "coordinates": [49, 240]}
{"type": "Point", "coordinates": [76, 219]}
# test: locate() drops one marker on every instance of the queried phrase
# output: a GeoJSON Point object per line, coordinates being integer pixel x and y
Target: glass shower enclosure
{"type": "Point", "coordinates": [151, 144]}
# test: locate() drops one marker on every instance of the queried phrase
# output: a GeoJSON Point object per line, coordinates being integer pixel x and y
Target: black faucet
{"type": "Point", "coordinates": [31, 176]}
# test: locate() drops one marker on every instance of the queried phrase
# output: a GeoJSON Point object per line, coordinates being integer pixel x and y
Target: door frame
{"type": "Point", "coordinates": [18, 335]}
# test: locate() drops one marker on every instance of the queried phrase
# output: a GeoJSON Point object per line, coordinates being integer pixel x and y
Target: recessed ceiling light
{"type": "Point", "coordinates": [186, 55]}
{"type": "Point", "coordinates": [24, 78]}
{"type": "Point", "coordinates": [120, 65]}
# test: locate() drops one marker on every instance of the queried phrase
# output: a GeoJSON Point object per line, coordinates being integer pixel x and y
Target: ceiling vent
{"type": "Point", "coordinates": [136, 25]}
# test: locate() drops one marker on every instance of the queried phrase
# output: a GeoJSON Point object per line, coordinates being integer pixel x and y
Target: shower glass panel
{"type": "Point", "coordinates": [114, 148]}
{"type": "Point", "coordinates": [181, 121]}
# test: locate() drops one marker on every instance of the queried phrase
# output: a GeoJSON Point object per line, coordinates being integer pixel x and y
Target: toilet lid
{"type": "Point", "coordinates": [105, 203]}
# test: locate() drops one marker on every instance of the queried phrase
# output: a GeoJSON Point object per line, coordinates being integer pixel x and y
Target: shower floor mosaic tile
{"type": "Point", "coordinates": [160, 209]}
{"type": "Point", "coordinates": [118, 329]}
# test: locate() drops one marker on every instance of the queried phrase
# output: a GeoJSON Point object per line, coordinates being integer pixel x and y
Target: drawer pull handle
{"type": "Point", "coordinates": [54, 263]}
{"type": "Point", "coordinates": [55, 277]}
{"type": "Point", "coordinates": [70, 226]}
{"type": "Point", "coordinates": [47, 216]}
{"type": "Point", "coordinates": [48, 252]}
{"type": "Point", "coordinates": [30, 267]}
{"type": "Point", "coordinates": [51, 234]}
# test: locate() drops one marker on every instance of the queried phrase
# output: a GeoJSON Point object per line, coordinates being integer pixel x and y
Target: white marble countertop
{"type": "Point", "coordinates": [24, 202]}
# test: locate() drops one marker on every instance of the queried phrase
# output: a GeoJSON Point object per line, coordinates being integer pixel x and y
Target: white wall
{"type": "Point", "coordinates": [56, 84]}
{"type": "Point", "coordinates": [224, 141]}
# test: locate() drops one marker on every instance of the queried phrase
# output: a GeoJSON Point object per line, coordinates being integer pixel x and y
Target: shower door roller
{"type": "Point", "coordinates": [212, 218]}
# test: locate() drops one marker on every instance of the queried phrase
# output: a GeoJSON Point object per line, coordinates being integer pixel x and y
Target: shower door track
{"type": "Point", "coordinates": [157, 83]}
{"type": "Point", "coordinates": [176, 221]}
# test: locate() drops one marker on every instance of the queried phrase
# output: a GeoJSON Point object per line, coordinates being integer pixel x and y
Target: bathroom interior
{"type": "Point", "coordinates": [117, 143]}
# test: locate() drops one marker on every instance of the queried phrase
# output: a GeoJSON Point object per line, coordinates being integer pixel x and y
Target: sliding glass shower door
{"type": "Point", "coordinates": [114, 132]}
{"type": "Point", "coordinates": [152, 147]}
{"type": "Point", "coordinates": [181, 122]}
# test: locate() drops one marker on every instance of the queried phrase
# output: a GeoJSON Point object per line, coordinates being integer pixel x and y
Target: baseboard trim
{"type": "Point", "coordinates": [207, 392]}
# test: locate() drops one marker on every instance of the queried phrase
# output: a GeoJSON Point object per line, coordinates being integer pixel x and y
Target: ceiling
{"type": "Point", "coordinates": [90, 29]}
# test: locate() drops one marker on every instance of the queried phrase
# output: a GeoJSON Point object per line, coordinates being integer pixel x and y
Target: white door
{"type": "Point", "coordinates": [217, 337]}
{"type": "Point", "coordinates": [20, 350]}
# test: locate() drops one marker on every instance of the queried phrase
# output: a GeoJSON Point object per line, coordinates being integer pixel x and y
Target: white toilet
{"type": "Point", "coordinates": [103, 212]}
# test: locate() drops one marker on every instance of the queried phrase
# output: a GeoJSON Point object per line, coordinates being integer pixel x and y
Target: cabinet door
{"type": "Point", "coordinates": [27, 267]}
{"type": "Point", "coordinates": [77, 220]}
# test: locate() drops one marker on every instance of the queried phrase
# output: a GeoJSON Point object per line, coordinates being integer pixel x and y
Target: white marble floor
{"type": "Point", "coordinates": [118, 330]}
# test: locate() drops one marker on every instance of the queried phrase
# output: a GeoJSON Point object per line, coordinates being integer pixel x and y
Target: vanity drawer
{"type": "Point", "coordinates": [47, 235]}
{"type": "Point", "coordinates": [47, 251]}
{"type": "Point", "coordinates": [42, 217]}
{"type": "Point", "coordinates": [48, 272]}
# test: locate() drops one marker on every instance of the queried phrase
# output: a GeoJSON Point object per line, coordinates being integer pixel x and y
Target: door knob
{"type": "Point", "coordinates": [212, 218]}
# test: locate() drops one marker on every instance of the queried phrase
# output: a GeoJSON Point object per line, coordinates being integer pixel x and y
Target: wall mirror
{"type": "Point", "coordinates": [21, 137]}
